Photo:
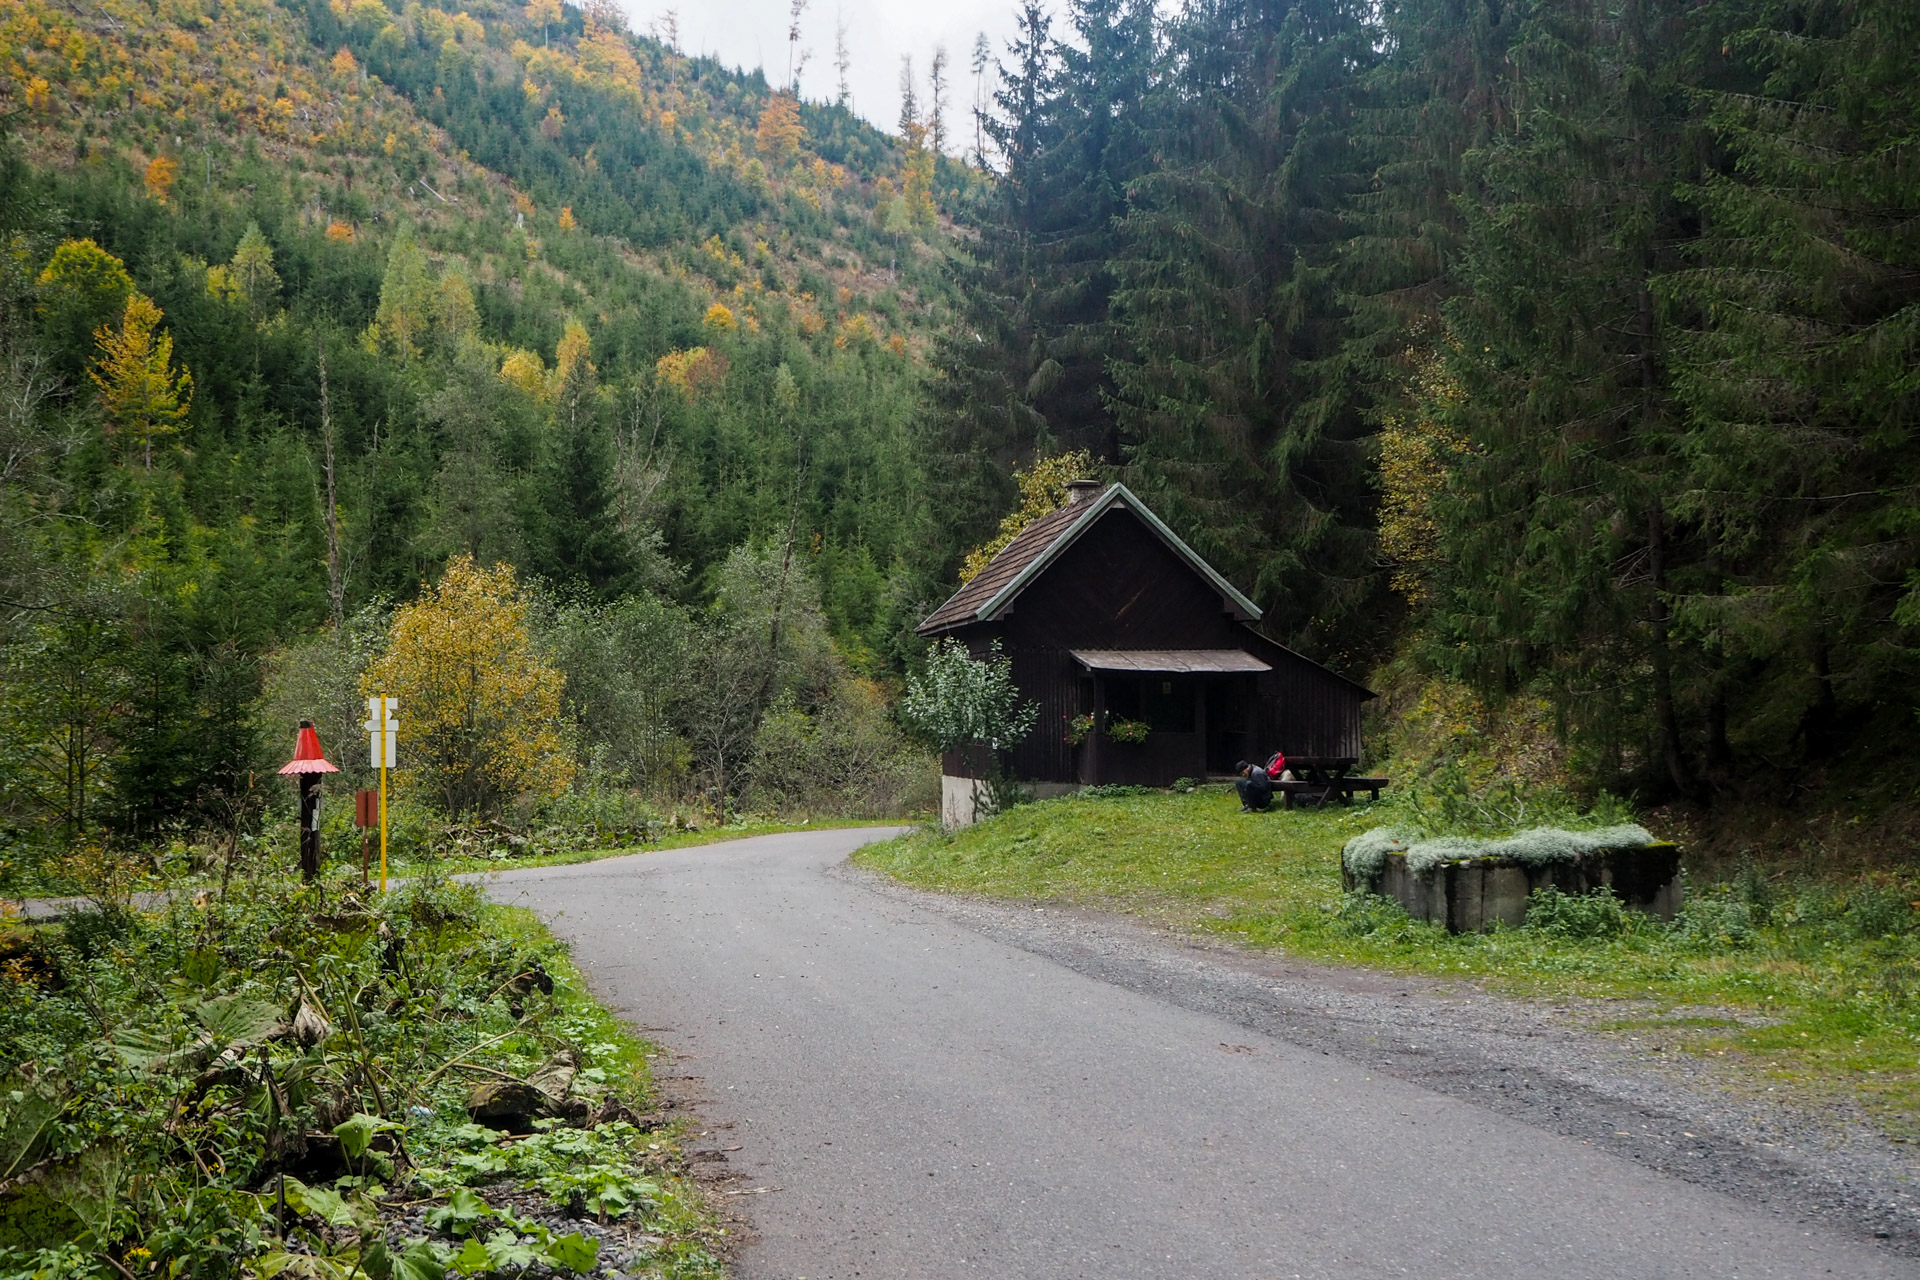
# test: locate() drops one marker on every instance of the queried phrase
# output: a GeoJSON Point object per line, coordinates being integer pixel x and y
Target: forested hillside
{"type": "Point", "coordinates": [1558, 356]}
{"type": "Point", "coordinates": [1564, 352]}
{"type": "Point", "coordinates": [301, 301]}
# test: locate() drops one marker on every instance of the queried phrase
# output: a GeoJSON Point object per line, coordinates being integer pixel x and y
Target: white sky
{"type": "Point", "coordinates": [753, 33]}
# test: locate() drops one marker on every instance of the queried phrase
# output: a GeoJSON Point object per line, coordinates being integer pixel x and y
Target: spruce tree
{"type": "Point", "coordinates": [1797, 321]}
{"type": "Point", "coordinates": [1563, 555]}
{"type": "Point", "coordinates": [1242, 428]}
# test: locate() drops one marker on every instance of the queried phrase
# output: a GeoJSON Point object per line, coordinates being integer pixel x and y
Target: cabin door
{"type": "Point", "coordinates": [1229, 699]}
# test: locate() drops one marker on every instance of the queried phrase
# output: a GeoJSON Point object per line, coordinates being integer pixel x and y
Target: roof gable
{"type": "Point", "coordinates": [993, 590]}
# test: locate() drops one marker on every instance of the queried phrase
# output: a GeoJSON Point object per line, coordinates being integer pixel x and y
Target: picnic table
{"type": "Point", "coordinates": [1318, 779]}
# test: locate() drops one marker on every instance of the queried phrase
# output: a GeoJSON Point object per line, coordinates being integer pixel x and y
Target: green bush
{"type": "Point", "coordinates": [1713, 922]}
{"type": "Point", "coordinates": [1581, 917]}
{"type": "Point", "coordinates": [1362, 914]}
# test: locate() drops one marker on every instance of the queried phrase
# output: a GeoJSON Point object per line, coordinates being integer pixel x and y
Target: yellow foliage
{"type": "Point", "coordinates": [343, 64]}
{"type": "Point", "coordinates": [916, 183]}
{"type": "Point", "coordinates": [525, 370]}
{"type": "Point", "coordinates": [719, 318]}
{"type": "Point", "coordinates": [780, 135]}
{"type": "Point", "coordinates": [161, 171]}
{"type": "Point", "coordinates": [604, 51]}
{"type": "Point", "coordinates": [566, 218]}
{"type": "Point", "coordinates": [139, 391]}
{"type": "Point", "coordinates": [39, 93]}
{"type": "Point", "coordinates": [554, 124]}
{"type": "Point", "coordinates": [479, 706]}
{"type": "Point", "coordinates": [572, 352]}
{"type": "Point", "coordinates": [1043, 490]}
{"type": "Point", "coordinates": [897, 345]}
{"type": "Point", "coordinates": [855, 331]}
{"type": "Point", "coordinates": [523, 204]}
{"type": "Point", "coordinates": [338, 230]}
{"type": "Point", "coordinates": [1416, 451]}
{"type": "Point", "coordinates": [691, 372]}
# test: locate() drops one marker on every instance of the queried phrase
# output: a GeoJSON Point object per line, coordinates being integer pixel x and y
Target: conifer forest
{"type": "Point", "coordinates": [625, 413]}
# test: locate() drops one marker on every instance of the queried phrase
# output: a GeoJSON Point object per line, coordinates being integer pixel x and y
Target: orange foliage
{"type": "Point", "coordinates": [781, 135]}
{"type": "Point", "coordinates": [161, 171]}
{"type": "Point", "coordinates": [566, 218]}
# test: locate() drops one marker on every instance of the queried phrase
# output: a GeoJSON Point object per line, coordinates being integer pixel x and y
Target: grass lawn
{"type": "Point", "coordinates": [1802, 986]}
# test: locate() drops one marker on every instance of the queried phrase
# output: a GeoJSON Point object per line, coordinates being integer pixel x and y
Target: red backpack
{"type": "Point", "coordinates": [1276, 765]}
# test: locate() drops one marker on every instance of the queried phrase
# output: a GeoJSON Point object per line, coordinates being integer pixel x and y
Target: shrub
{"type": "Point", "coordinates": [1712, 923]}
{"type": "Point", "coordinates": [1362, 914]}
{"type": "Point", "coordinates": [1582, 917]}
{"type": "Point", "coordinates": [479, 706]}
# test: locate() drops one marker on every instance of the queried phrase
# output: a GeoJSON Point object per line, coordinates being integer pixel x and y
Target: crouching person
{"type": "Point", "coordinates": [1255, 788]}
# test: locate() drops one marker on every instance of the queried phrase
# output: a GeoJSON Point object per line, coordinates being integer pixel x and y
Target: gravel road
{"type": "Point", "coordinates": [907, 1085]}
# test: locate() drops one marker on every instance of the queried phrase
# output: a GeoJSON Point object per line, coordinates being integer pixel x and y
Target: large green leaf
{"type": "Point", "coordinates": [356, 1133]}
{"type": "Point", "coordinates": [236, 1020]}
{"type": "Point", "coordinates": [25, 1115]}
{"type": "Point", "coordinates": [574, 1252]}
{"type": "Point", "coordinates": [318, 1202]}
{"type": "Point", "coordinates": [472, 1259]}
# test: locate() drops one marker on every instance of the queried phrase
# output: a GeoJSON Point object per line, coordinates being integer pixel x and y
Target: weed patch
{"type": "Point", "coordinates": [255, 1084]}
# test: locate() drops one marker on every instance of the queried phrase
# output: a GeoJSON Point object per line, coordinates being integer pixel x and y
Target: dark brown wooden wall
{"type": "Point", "coordinates": [1121, 587]}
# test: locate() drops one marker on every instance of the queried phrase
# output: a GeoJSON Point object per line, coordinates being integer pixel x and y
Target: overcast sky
{"type": "Point", "coordinates": [753, 33]}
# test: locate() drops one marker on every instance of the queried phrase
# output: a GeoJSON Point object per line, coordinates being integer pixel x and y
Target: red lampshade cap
{"type": "Point", "coordinates": [307, 755]}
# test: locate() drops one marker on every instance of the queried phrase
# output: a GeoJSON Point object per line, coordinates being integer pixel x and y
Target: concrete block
{"type": "Point", "coordinates": [1470, 896]}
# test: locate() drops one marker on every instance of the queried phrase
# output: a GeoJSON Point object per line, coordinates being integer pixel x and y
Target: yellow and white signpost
{"type": "Point", "coordinates": [383, 733]}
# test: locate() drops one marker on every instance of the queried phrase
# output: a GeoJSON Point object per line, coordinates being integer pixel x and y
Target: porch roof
{"type": "Point", "coordinates": [1171, 661]}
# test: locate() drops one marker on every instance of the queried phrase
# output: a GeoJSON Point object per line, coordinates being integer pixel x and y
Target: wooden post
{"type": "Point", "coordinates": [309, 822]}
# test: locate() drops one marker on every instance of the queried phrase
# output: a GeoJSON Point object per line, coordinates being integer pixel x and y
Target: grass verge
{"type": "Point", "coordinates": [1784, 985]}
{"type": "Point", "coordinates": [675, 840]}
{"type": "Point", "coordinates": [274, 1083]}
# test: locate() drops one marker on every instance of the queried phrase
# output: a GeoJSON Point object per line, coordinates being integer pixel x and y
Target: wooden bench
{"type": "Point", "coordinates": [1299, 794]}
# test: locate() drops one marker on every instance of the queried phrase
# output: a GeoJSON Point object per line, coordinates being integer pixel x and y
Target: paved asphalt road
{"type": "Point", "coordinates": [931, 1102]}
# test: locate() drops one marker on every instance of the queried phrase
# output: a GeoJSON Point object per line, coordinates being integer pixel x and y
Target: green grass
{"type": "Point", "coordinates": [1804, 986]}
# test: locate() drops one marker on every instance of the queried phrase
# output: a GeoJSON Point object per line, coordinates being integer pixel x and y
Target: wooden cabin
{"type": "Point", "coordinates": [1105, 612]}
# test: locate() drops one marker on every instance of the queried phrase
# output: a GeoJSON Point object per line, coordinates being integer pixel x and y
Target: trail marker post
{"type": "Point", "coordinates": [308, 764]}
{"type": "Point", "coordinates": [383, 734]}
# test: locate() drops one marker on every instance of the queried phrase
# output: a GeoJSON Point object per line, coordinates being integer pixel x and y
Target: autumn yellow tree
{"type": "Point", "coordinates": [161, 171]}
{"type": "Point", "coordinates": [544, 12]}
{"type": "Point", "coordinates": [140, 393]}
{"type": "Point", "coordinates": [1418, 446]}
{"type": "Point", "coordinates": [525, 370]}
{"type": "Point", "coordinates": [720, 319]}
{"type": "Point", "coordinates": [1043, 489]}
{"type": "Point", "coordinates": [916, 183]}
{"type": "Point", "coordinates": [480, 707]}
{"type": "Point", "coordinates": [780, 134]}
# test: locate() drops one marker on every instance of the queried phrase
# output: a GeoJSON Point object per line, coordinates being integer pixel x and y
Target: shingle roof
{"type": "Point", "coordinates": [1017, 563]}
{"type": "Point", "coordinates": [1027, 546]}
